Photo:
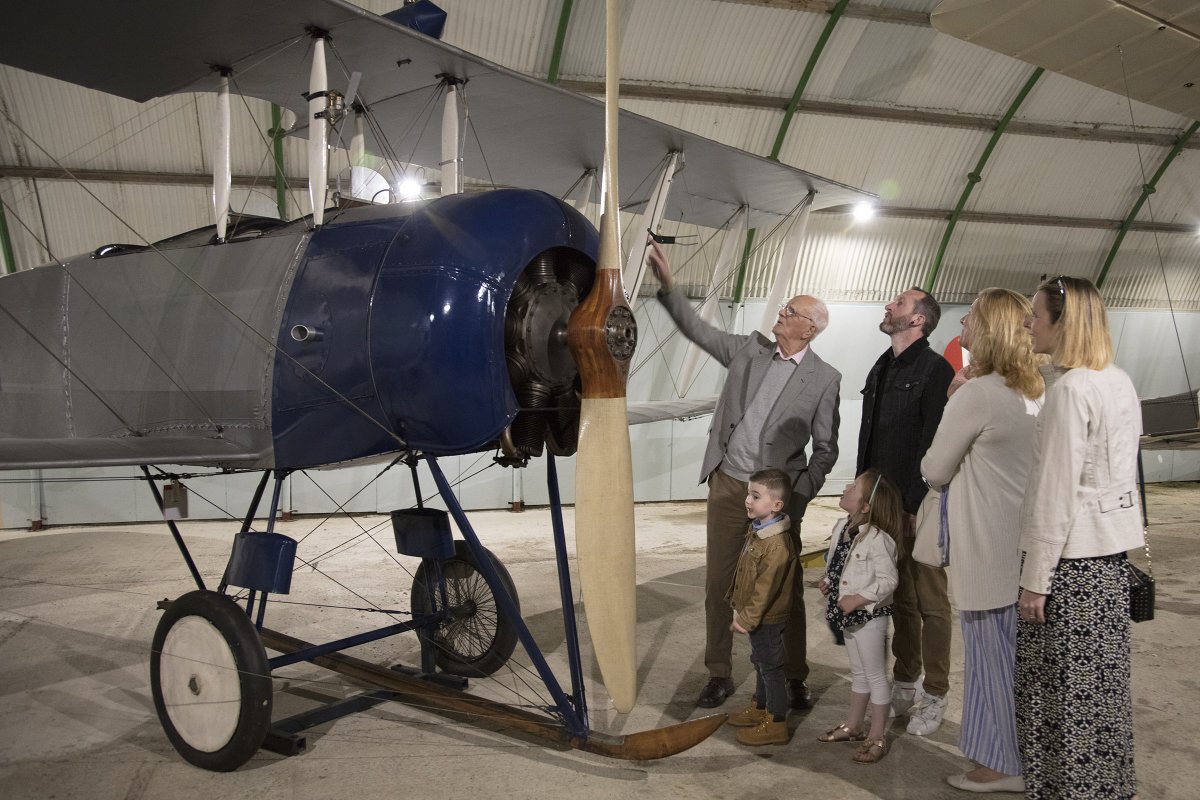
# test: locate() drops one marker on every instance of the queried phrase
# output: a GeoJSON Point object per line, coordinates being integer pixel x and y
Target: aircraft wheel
{"type": "Point", "coordinates": [211, 681]}
{"type": "Point", "coordinates": [478, 639]}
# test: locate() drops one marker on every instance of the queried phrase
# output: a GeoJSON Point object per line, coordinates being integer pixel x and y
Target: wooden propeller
{"type": "Point", "coordinates": [602, 335]}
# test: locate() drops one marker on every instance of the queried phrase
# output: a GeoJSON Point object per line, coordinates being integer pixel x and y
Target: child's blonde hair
{"type": "Point", "coordinates": [886, 505]}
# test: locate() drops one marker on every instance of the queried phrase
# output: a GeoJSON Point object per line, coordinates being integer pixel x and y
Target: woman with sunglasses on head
{"type": "Point", "coordinates": [1074, 713]}
{"type": "Point", "coordinates": [981, 454]}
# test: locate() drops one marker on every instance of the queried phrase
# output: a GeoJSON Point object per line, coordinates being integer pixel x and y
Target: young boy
{"type": "Point", "coordinates": [760, 596]}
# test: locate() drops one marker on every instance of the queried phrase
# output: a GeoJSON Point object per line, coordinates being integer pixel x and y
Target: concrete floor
{"type": "Point", "coordinates": [77, 616]}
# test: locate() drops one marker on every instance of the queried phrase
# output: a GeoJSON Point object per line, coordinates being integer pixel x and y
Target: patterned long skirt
{"type": "Point", "coordinates": [1074, 712]}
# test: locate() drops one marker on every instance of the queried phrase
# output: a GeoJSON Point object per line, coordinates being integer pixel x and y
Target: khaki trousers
{"type": "Point", "coordinates": [923, 623]}
{"type": "Point", "coordinates": [727, 523]}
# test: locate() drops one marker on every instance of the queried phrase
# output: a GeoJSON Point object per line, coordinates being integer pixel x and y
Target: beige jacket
{"type": "Point", "coordinates": [1082, 497]}
{"type": "Point", "coordinates": [983, 449]}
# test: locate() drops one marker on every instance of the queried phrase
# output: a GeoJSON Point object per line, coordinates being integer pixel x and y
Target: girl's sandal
{"type": "Point", "coordinates": [842, 734]}
{"type": "Point", "coordinates": [871, 751]}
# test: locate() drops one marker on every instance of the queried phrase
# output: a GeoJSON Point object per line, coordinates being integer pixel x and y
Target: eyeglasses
{"type": "Point", "coordinates": [786, 310]}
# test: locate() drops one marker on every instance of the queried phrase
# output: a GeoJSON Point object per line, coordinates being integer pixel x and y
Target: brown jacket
{"type": "Point", "coordinates": [762, 584]}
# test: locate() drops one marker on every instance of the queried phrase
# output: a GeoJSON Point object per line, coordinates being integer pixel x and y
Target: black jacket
{"type": "Point", "coordinates": [910, 408]}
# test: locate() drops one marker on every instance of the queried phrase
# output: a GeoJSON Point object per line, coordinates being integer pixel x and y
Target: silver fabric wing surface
{"type": "Point", "coordinates": [533, 134]}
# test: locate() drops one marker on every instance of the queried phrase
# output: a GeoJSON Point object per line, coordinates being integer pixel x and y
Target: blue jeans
{"type": "Point", "coordinates": [767, 655]}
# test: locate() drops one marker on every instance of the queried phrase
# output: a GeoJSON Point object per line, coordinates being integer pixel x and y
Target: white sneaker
{"type": "Point", "coordinates": [927, 717]}
{"type": "Point", "coordinates": [904, 694]}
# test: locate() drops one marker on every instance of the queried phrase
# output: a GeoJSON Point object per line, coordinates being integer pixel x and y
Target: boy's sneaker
{"type": "Point", "coordinates": [927, 717]}
{"type": "Point", "coordinates": [767, 731]}
{"type": "Point", "coordinates": [904, 694]}
{"type": "Point", "coordinates": [748, 717]}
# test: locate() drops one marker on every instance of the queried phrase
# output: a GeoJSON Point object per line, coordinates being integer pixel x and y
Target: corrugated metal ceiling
{"type": "Point", "coordinates": [877, 70]}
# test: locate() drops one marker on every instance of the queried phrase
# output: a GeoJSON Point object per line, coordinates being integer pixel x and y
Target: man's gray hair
{"type": "Point", "coordinates": [820, 313]}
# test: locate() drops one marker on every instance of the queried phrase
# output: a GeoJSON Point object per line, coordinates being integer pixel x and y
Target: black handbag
{"type": "Point", "coordinates": [1141, 585]}
{"type": "Point", "coordinates": [1141, 594]}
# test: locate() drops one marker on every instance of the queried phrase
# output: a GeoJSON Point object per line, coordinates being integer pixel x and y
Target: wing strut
{"type": "Point", "coordinates": [318, 130]}
{"type": "Point", "coordinates": [635, 265]}
{"type": "Point", "coordinates": [731, 248]}
{"type": "Point", "coordinates": [222, 171]}
{"type": "Point", "coordinates": [789, 262]}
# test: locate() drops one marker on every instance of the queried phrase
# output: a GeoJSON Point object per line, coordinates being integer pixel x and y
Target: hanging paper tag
{"type": "Point", "coordinates": [175, 501]}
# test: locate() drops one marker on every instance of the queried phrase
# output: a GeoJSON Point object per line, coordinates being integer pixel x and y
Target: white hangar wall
{"type": "Point", "coordinates": [666, 455]}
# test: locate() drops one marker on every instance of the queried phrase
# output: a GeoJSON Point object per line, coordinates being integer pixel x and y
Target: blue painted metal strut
{"type": "Point", "coordinates": [575, 725]}
{"type": "Point", "coordinates": [309, 653]}
{"type": "Point", "coordinates": [570, 628]}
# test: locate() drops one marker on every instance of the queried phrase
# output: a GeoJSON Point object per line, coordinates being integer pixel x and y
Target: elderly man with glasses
{"type": "Point", "coordinates": [778, 397]}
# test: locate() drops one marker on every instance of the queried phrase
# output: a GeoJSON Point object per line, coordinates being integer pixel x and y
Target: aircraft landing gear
{"type": "Point", "coordinates": [211, 681]}
{"type": "Point", "coordinates": [477, 639]}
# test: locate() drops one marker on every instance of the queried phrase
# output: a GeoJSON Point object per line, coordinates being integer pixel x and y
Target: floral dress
{"type": "Point", "coordinates": [839, 620]}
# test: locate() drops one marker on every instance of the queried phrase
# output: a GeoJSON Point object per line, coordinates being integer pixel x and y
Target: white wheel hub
{"type": "Point", "coordinates": [200, 685]}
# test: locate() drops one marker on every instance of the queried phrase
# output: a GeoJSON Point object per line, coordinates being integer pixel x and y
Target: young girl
{"type": "Point", "coordinates": [858, 584]}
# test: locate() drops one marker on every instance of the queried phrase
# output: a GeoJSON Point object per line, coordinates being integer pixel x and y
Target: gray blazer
{"type": "Point", "coordinates": [807, 408]}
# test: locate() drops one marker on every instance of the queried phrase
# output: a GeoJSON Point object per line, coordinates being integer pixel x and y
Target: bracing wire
{"type": "Point", "coordinates": [1157, 244]}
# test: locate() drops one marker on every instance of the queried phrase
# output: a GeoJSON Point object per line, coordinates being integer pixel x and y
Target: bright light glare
{"type": "Point", "coordinates": [864, 212]}
{"type": "Point", "coordinates": [409, 189]}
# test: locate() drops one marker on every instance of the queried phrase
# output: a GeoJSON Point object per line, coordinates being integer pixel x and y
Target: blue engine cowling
{"type": "Point", "coordinates": [394, 330]}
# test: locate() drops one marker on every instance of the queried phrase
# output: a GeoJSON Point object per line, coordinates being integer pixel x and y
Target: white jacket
{"type": "Point", "coordinates": [870, 568]}
{"type": "Point", "coordinates": [1082, 497]}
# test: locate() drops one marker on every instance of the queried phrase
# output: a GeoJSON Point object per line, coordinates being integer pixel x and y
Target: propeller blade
{"type": "Point", "coordinates": [602, 335]}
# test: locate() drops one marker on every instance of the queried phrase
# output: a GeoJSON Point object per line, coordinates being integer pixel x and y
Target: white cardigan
{"type": "Point", "coordinates": [1082, 499]}
{"type": "Point", "coordinates": [870, 568]}
{"type": "Point", "coordinates": [983, 448]}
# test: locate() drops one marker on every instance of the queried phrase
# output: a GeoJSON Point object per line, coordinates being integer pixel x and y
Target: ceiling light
{"type": "Point", "coordinates": [864, 211]}
{"type": "Point", "coordinates": [409, 189]}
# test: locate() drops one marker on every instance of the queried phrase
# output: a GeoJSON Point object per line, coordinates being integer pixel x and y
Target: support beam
{"type": "Point", "coordinates": [1147, 190]}
{"type": "Point", "coordinates": [1000, 218]}
{"type": "Point", "coordinates": [895, 212]}
{"type": "Point", "coordinates": [132, 176]}
{"type": "Point", "coordinates": [874, 13]}
{"type": "Point", "coordinates": [560, 39]}
{"type": "Point", "coordinates": [975, 176]}
{"type": "Point", "coordinates": [864, 111]}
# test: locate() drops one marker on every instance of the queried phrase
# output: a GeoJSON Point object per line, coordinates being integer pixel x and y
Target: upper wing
{"type": "Point", "coordinates": [533, 134]}
{"type": "Point", "coordinates": [1159, 58]}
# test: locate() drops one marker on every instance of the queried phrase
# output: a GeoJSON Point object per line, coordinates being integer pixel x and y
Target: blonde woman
{"type": "Point", "coordinates": [1074, 714]}
{"type": "Point", "coordinates": [982, 452]}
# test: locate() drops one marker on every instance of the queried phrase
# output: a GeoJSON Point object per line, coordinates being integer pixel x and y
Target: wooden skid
{"type": "Point", "coordinates": [641, 746]}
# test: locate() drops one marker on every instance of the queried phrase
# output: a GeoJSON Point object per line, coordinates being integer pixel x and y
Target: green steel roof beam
{"type": "Point", "coordinates": [1147, 190]}
{"type": "Point", "coordinates": [560, 38]}
{"type": "Point", "coordinates": [10, 265]}
{"type": "Point", "coordinates": [835, 14]}
{"type": "Point", "coordinates": [975, 176]}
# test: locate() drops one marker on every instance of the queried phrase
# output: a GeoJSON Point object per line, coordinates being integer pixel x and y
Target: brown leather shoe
{"type": "Point", "coordinates": [766, 732]}
{"type": "Point", "coordinates": [748, 717]}
{"type": "Point", "coordinates": [798, 694]}
{"type": "Point", "coordinates": [715, 692]}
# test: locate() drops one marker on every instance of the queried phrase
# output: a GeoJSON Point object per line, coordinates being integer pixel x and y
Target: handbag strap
{"type": "Point", "coordinates": [1145, 515]}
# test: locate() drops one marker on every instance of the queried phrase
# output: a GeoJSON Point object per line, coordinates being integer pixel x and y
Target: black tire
{"type": "Point", "coordinates": [211, 681]}
{"type": "Point", "coordinates": [479, 638]}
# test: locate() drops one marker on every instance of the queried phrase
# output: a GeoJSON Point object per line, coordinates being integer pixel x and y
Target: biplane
{"type": "Point", "coordinates": [481, 320]}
